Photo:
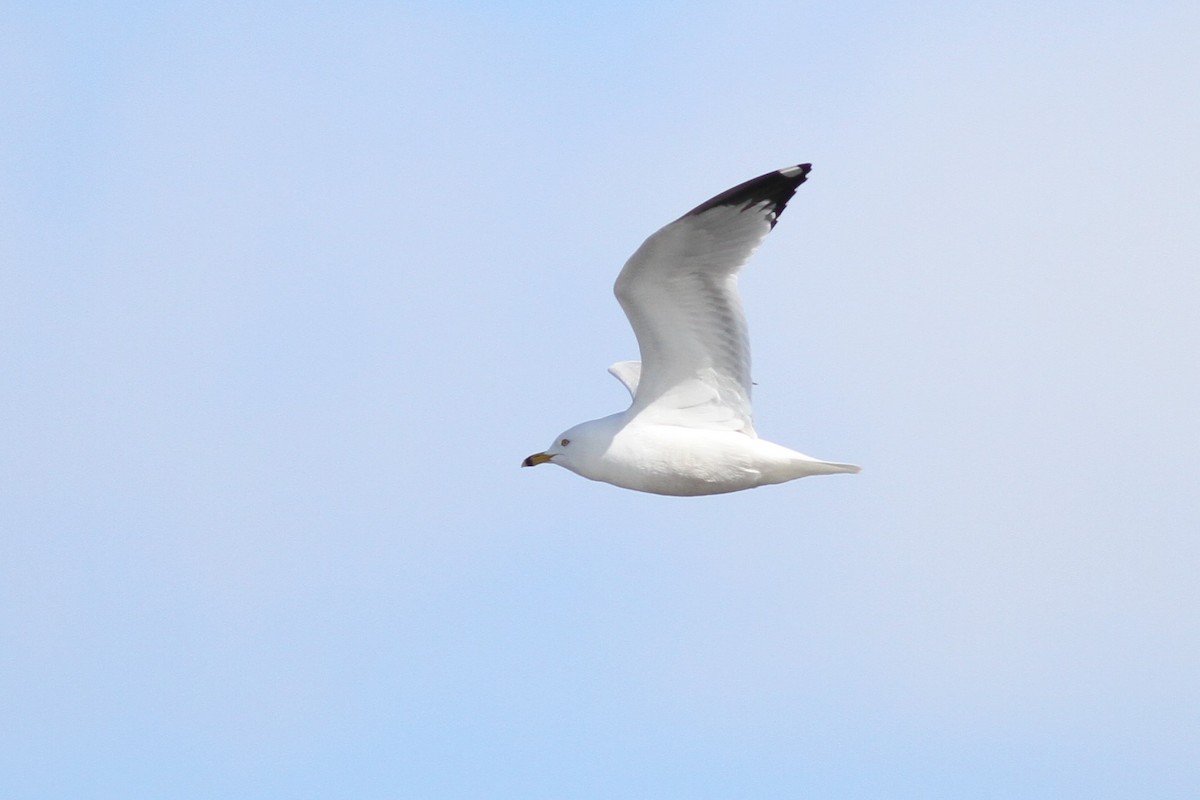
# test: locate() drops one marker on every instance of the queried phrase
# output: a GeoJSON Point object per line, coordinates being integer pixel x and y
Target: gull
{"type": "Point", "coordinates": [689, 430]}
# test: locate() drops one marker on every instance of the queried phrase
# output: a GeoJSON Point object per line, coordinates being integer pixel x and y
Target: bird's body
{"type": "Point", "coordinates": [689, 429]}
{"type": "Point", "coordinates": [675, 460]}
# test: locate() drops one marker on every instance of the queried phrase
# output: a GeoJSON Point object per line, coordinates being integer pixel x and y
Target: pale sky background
{"type": "Point", "coordinates": [288, 291]}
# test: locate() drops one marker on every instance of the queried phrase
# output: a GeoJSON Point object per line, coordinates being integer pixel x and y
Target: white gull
{"type": "Point", "coordinates": [689, 429]}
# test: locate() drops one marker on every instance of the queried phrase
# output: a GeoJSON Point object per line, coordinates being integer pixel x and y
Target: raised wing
{"type": "Point", "coordinates": [679, 291]}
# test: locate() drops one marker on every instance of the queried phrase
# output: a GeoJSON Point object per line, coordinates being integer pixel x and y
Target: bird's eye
{"type": "Point", "coordinates": [564, 442]}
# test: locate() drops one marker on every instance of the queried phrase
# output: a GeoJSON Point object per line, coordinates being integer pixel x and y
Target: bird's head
{"type": "Point", "coordinates": [579, 449]}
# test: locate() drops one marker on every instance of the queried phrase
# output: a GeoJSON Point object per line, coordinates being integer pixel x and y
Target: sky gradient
{"type": "Point", "coordinates": [287, 293]}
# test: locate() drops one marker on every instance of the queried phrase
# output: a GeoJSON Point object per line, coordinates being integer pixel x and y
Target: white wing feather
{"type": "Point", "coordinates": [628, 373]}
{"type": "Point", "coordinates": [680, 293]}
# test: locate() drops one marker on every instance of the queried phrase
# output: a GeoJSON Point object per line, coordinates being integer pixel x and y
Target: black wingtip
{"type": "Point", "coordinates": [774, 189]}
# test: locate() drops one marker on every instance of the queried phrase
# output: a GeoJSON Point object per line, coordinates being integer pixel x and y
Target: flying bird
{"type": "Point", "coordinates": [689, 429]}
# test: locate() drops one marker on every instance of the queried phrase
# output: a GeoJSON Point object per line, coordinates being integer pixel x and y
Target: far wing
{"type": "Point", "coordinates": [679, 291]}
{"type": "Point", "coordinates": [628, 373]}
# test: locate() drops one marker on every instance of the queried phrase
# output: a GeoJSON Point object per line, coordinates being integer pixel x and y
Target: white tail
{"type": "Point", "coordinates": [812, 466]}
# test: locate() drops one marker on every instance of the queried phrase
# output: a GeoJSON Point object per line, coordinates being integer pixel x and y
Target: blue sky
{"type": "Point", "coordinates": [287, 292]}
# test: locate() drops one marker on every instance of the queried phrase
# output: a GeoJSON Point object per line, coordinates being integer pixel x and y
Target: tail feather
{"type": "Point", "coordinates": [813, 466]}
